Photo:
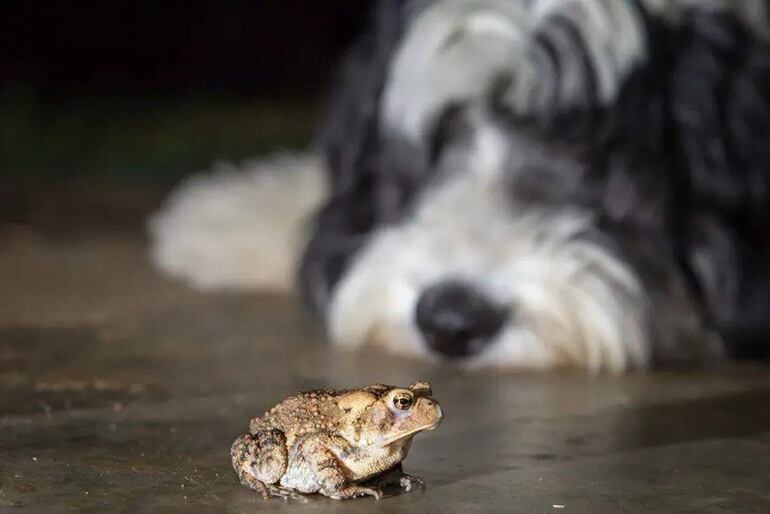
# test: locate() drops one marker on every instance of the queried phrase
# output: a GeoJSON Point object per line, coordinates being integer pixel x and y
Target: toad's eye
{"type": "Point", "coordinates": [402, 401]}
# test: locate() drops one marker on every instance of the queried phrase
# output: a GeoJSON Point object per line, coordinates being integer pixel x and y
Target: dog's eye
{"type": "Point", "coordinates": [447, 127]}
{"type": "Point", "coordinates": [402, 401]}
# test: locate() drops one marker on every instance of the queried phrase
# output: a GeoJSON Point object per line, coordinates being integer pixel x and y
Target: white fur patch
{"type": "Point", "coordinates": [240, 227]}
{"type": "Point", "coordinates": [614, 37]}
{"type": "Point", "coordinates": [456, 51]}
{"type": "Point", "coordinates": [452, 52]}
{"type": "Point", "coordinates": [572, 302]}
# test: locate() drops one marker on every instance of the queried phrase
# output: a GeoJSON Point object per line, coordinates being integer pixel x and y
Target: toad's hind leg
{"type": "Point", "coordinates": [259, 459]}
{"type": "Point", "coordinates": [314, 467]}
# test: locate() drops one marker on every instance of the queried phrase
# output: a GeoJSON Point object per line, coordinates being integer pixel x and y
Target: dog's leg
{"type": "Point", "coordinates": [240, 227]}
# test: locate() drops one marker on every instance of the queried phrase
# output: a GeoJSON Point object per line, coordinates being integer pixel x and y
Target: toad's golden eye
{"type": "Point", "coordinates": [402, 401]}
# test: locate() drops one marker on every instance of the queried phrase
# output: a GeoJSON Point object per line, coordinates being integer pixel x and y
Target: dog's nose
{"type": "Point", "coordinates": [456, 320]}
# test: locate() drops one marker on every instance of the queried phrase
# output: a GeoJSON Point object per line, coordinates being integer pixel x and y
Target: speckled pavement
{"type": "Point", "coordinates": [121, 391]}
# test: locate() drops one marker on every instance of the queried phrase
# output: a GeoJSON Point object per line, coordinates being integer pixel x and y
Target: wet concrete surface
{"type": "Point", "coordinates": [121, 391]}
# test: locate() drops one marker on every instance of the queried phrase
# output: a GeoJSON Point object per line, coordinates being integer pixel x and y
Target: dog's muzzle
{"type": "Point", "coordinates": [456, 320]}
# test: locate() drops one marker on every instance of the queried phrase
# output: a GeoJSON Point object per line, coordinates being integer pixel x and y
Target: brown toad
{"type": "Point", "coordinates": [339, 443]}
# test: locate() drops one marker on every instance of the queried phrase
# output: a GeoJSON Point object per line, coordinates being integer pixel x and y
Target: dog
{"type": "Point", "coordinates": [524, 184]}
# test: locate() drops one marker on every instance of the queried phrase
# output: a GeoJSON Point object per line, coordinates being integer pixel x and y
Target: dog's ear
{"type": "Point", "coordinates": [421, 388]}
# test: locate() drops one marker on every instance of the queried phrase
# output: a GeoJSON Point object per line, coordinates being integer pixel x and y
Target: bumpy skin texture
{"type": "Point", "coordinates": [339, 443]}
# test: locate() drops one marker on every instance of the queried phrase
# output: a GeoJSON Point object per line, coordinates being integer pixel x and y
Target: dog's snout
{"type": "Point", "coordinates": [456, 320]}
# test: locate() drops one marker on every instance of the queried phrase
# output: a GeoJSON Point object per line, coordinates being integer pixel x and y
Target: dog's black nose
{"type": "Point", "coordinates": [456, 320]}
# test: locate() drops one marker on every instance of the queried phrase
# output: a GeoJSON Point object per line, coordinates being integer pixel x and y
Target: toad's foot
{"type": "Point", "coordinates": [408, 482]}
{"type": "Point", "coordinates": [285, 494]}
{"type": "Point", "coordinates": [266, 491]}
{"type": "Point", "coordinates": [396, 477]}
{"type": "Point", "coordinates": [354, 491]}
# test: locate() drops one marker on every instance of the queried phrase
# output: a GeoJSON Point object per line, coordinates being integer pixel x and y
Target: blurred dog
{"type": "Point", "coordinates": [519, 183]}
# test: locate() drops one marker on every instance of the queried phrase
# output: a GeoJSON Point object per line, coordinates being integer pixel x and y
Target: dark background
{"type": "Point", "coordinates": [132, 90]}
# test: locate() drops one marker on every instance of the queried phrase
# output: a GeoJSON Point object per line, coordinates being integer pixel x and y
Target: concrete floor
{"type": "Point", "coordinates": [121, 392]}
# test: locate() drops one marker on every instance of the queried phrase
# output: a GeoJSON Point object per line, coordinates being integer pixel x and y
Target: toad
{"type": "Point", "coordinates": [339, 443]}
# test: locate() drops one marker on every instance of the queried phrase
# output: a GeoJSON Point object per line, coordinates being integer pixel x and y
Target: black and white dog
{"type": "Point", "coordinates": [519, 183]}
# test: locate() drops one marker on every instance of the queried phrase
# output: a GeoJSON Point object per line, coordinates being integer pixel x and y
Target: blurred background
{"type": "Point", "coordinates": [149, 91]}
{"type": "Point", "coordinates": [121, 390]}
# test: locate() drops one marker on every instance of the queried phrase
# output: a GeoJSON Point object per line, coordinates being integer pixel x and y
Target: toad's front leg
{"type": "Point", "coordinates": [395, 477]}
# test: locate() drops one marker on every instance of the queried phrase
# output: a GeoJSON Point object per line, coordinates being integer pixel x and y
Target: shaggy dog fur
{"type": "Point", "coordinates": [522, 184]}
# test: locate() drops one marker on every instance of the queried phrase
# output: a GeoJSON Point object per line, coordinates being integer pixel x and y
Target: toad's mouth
{"type": "Point", "coordinates": [401, 437]}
